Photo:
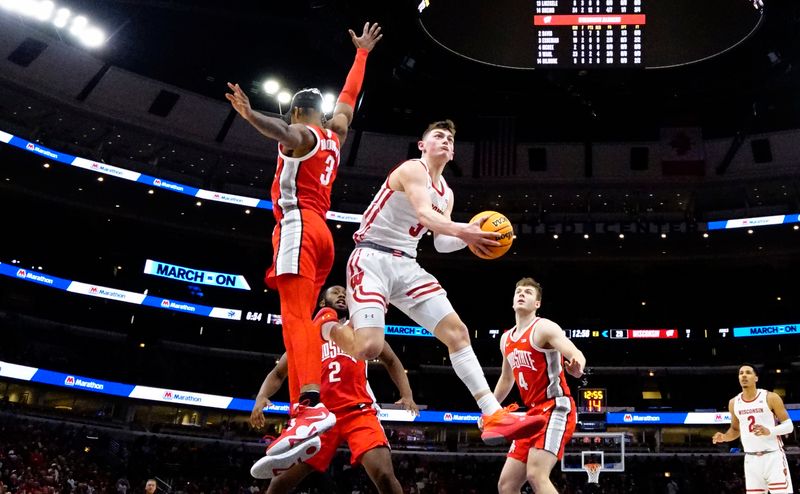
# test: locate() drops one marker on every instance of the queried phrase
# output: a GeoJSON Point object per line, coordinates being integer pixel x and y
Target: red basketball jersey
{"type": "Point", "coordinates": [538, 372]}
{"type": "Point", "coordinates": [344, 380]}
{"type": "Point", "coordinates": [306, 182]}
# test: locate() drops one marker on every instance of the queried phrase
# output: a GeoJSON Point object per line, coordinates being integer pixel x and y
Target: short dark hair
{"type": "Point", "coordinates": [531, 282]}
{"type": "Point", "coordinates": [441, 124]}
{"type": "Point", "coordinates": [752, 366]}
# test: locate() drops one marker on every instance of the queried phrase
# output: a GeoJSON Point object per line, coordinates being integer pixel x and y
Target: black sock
{"type": "Point", "coordinates": [309, 398]}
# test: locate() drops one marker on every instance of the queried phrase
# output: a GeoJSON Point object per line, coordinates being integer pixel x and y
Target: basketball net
{"type": "Point", "coordinates": [593, 471]}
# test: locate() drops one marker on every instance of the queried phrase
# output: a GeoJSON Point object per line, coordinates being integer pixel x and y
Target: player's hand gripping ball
{"type": "Point", "coordinates": [498, 223]}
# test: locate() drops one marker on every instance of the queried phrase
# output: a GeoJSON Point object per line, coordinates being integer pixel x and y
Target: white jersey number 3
{"type": "Point", "coordinates": [325, 178]}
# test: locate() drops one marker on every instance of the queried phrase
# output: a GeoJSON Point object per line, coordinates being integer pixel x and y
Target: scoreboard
{"type": "Point", "coordinates": [590, 33]}
{"type": "Point", "coordinates": [592, 400]}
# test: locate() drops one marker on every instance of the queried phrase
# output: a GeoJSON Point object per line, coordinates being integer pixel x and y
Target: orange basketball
{"type": "Point", "coordinates": [495, 222]}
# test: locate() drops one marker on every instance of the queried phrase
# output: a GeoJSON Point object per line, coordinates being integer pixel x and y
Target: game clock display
{"type": "Point", "coordinates": [592, 400]}
{"type": "Point", "coordinates": [590, 33]}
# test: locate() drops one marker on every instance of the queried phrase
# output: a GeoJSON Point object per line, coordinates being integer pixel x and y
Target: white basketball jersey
{"type": "Point", "coordinates": [391, 221]}
{"type": "Point", "coordinates": [755, 412]}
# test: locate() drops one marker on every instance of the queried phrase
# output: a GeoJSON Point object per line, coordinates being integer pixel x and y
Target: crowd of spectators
{"type": "Point", "coordinates": [45, 456]}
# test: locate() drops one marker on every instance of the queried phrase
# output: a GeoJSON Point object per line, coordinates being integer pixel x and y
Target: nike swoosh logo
{"type": "Point", "coordinates": [544, 410]}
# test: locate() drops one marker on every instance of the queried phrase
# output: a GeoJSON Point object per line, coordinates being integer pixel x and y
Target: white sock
{"type": "Point", "coordinates": [468, 369]}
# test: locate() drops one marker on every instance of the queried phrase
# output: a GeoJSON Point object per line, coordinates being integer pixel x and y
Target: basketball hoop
{"type": "Point", "coordinates": [593, 471]}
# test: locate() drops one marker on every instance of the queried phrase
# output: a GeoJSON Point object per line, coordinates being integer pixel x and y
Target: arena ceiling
{"type": "Point", "coordinates": [200, 46]}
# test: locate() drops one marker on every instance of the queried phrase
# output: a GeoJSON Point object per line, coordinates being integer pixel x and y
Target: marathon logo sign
{"type": "Point", "coordinates": [182, 397]}
{"type": "Point", "coordinates": [21, 273]}
{"type": "Point", "coordinates": [168, 304]}
{"type": "Point", "coordinates": [407, 331]}
{"type": "Point", "coordinates": [168, 185]}
{"type": "Point", "coordinates": [630, 418]}
{"type": "Point", "coordinates": [781, 329]}
{"type": "Point", "coordinates": [108, 170]}
{"type": "Point", "coordinates": [190, 275]}
{"type": "Point", "coordinates": [44, 152]}
{"type": "Point", "coordinates": [74, 382]}
{"type": "Point", "coordinates": [462, 418]}
{"type": "Point", "coordinates": [104, 292]}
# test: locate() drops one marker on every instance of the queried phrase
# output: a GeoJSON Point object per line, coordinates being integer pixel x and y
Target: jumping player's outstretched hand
{"type": "Point", "coordinates": [369, 38]}
{"type": "Point", "coordinates": [718, 438]}
{"type": "Point", "coordinates": [575, 367]}
{"type": "Point", "coordinates": [239, 101]}
{"type": "Point", "coordinates": [408, 404]}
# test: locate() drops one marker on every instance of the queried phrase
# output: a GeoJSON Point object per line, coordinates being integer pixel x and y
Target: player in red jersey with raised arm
{"type": "Point", "coordinates": [534, 351]}
{"type": "Point", "coordinates": [308, 158]}
{"type": "Point", "coordinates": [347, 393]}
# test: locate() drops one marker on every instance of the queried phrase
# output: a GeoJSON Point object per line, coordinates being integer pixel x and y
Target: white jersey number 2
{"type": "Point", "coordinates": [335, 368]}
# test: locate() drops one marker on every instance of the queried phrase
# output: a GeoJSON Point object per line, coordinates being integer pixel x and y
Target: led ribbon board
{"type": "Point", "coordinates": [159, 183]}
{"type": "Point", "coordinates": [190, 275]}
{"type": "Point", "coordinates": [179, 397]}
{"type": "Point", "coordinates": [118, 295]}
{"type": "Point", "coordinates": [264, 204]}
{"type": "Point", "coordinates": [778, 329]}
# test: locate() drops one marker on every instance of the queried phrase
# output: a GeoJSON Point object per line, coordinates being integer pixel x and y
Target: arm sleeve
{"type": "Point", "coordinates": [352, 85]}
{"type": "Point", "coordinates": [785, 427]}
{"type": "Point", "coordinates": [447, 243]}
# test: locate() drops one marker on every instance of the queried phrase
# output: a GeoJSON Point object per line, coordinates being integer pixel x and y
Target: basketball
{"type": "Point", "coordinates": [495, 222]}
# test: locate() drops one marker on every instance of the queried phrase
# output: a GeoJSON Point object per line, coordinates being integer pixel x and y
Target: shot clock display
{"type": "Point", "coordinates": [592, 400]}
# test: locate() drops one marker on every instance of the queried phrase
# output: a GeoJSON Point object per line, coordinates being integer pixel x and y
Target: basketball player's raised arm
{"type": "Point", "coordinates": [785, 425]}
{"type": "Point", "coordinates": [733, 431]}
{"type": "Point", "coordinates": [398, 374]}
{"type": "Point", "coordinates": [412, 179]}
{"type": "Point", "coordinates": [506, 381]}
{"type": "Point", "coordinates": [555, 338]}
{"type": "Point", "coordinates": [272, 383]}
{"type": "Point", "coordinates": [345, 106]}
{"type": "Point", "coordinates": [293, 136]}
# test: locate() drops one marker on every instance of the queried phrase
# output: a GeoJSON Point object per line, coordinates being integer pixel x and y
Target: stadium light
{"type": "Point", "coordinates": [284, 97]}
{"type": "Point", "coordinates": [328, 103]}
{"type": "Point", "coordinates": [62, 17]}
{"type": "Point", "coordinates": [271, 87]}
{"type": "Point", "coordinates": [78, 25]}
{"type": "Point", "coordinates": [92, 37]}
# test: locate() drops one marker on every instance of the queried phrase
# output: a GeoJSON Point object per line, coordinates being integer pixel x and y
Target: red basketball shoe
{"type": "Point", "coordinates": [503, 426]}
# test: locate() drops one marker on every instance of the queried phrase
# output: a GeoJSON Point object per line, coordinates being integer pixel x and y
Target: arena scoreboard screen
{"type": "Point", "coordinates": [590, 33]}
{"type": "Point", "coordinates": [592, 400]}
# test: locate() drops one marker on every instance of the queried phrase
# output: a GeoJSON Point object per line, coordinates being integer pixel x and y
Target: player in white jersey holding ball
{"type": "Point", "coordinates": [383, 269]}
{"type": "Point", "coordinates": [754, 413]}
